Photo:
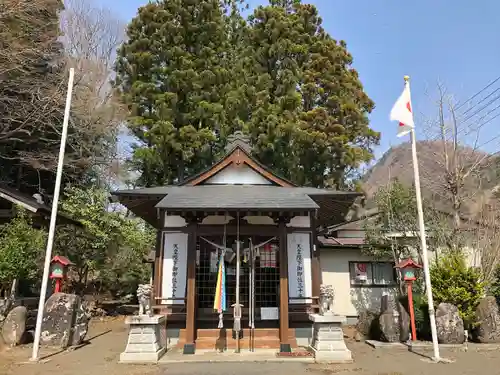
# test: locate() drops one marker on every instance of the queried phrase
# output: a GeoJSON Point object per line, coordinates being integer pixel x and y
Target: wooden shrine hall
{"type": "Point", "coordinates": [261, 228]}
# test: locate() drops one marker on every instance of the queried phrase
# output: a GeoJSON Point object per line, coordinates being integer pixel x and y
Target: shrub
{"type": "Point", "coordinates": [422, 320]}
{"type": "Point", "coordinates": [453, 282]}
{"type": "Point", "coordinates": [21, 250]}
{"type": "Point", "coordinates": [494, 288]}
{"type": "Point", "coordinates": [421, 310]}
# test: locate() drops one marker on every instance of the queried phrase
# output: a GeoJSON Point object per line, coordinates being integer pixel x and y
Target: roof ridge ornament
{"type": "Point", "coordinates": [238, 138]}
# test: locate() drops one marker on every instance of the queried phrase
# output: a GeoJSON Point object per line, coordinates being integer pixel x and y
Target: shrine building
{"type": "Point", "coordinates": [237, 206]}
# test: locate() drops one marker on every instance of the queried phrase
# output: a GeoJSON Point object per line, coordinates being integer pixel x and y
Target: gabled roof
{"type": "Point", "coordinates": [237, 156]}
{"type": "Point", "coordinates": [31, 204]}
{"type": "Point", "coordinates": [270, 193]}
{"type": "Point", "coordinates": [241, 197]}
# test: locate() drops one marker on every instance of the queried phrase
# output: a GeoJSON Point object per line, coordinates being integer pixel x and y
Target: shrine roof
{"type": "Point", "coordinates": [237, 182]}
{"type": "Point", "coordinates": [229, 197]}
{"type": "Point", "coordinates": [331, 205]}
{"type": "Point", "coordinates": [34, 206]}
{"type": "Point", "coordinates": [238, 152]}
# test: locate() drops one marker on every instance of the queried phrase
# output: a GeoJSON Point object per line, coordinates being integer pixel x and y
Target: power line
{"type": "Point", "coordinates": [459, 127]}
{"type": "Point", "coordinates": [479, 92]}
{"type": "Point", "coordinates": [486, 122]}
{"type": "Point", "coordinates": [485, 106]}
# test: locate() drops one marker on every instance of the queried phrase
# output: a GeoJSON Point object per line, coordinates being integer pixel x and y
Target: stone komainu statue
{"type": "Point", "coordinates": [326, 299]}
{"type": "Point", "coordinates": [144, 292]}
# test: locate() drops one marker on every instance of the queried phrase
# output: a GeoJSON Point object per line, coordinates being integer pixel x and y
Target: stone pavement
{"type": "Point", "coordinates": [259, 355]}
{"type": "Point", "coordinates": [108, 339]}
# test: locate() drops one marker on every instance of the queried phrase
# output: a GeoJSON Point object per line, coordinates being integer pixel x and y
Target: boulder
{"type": "Point", "coordinates": [488, 319]}
{"type": "Point", "coordinates": [365, 321]}
{"type": "Point", "coordinates": [404, 323]}
{"type": "Point", "coordinates": [449, 324]}
{"type": "Point", "coordinates": [358, 337]}
{"type": "Point", "coordinates": [367, 324]}
{"type": "Point", "coordinates": [14, 326]}
{"type": "Point", "coordinates": [65, 321]}
{"type": "Point", "coordinates": [387, 302]}
{"type": "Point", "coordinates": [388, 323]}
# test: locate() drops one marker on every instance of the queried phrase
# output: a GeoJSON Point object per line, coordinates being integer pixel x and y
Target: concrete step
{"type": "Point", "coordinates": [263, 338]}
{"type": "Point", "coordinates": [261, 343]}
{"type": "Point", "coordinates": [259, 332]}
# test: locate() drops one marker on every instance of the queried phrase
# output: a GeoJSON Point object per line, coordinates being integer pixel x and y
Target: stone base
{"type": "Point", "coordinates": [141, 357]}
{"type": "Point", "coordinates": [328, 339]}
{"type": "Point", "coordinates": [338, 356]}
{"type": "Point", "coordinates": [146, 339]}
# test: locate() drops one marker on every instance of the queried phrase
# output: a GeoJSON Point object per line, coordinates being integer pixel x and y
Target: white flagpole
{"type": "Point", "coordinates": [423, 242]}
{"type": "Point", "coordinates": [53, 218]}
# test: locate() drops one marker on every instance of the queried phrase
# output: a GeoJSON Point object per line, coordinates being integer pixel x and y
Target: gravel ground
{"type": "Point", "coordinates": [107, 340]}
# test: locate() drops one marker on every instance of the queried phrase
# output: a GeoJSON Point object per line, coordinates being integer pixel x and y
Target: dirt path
{"type": "Point", "coordinates": [107, 340]}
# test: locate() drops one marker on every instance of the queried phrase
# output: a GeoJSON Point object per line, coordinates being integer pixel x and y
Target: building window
{"type": "Point", "coordinates": [372, 273]}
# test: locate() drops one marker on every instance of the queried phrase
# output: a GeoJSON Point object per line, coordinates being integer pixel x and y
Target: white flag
{"type": "Point", "coordinates": [401, 111]}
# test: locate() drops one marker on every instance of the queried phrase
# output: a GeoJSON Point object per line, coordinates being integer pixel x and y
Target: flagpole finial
{"type": "Point", "coordinates": [407, 78]}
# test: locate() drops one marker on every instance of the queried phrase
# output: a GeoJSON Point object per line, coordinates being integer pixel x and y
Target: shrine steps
{"type": "Point", "coordinates": [221, 339]}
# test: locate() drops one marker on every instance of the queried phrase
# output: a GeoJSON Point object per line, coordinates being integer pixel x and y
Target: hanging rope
{"type": "Point", "coordinates": [220, 289]}
{"type": "Point", "coordinates": [223, 276]}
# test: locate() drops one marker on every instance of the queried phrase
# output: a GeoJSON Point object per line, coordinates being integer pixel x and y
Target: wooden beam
{"type": "Point", "coordinates": [245, 230]}
{"type": "Point", "coordinates": [283, 253]}
{"type": "Point", "coordinates": [190, 346]}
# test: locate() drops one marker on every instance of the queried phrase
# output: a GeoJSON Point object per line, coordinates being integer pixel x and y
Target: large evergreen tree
{"type": "Point", "coordinates": [309, 116]}
{"type": "Point", "coordinates": [174, 72]}
{"type": "Point", "coordinates": [32, 91]}
{"type": "Point", "coordinates": [192, 72]}
{"type": "Point", "coordinates": [34, 72]}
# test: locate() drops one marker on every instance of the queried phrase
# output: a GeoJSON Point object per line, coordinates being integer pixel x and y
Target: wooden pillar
{"type": "Point", "coordinates": [284, 299]}
{"type": "Point", "coordinates": [190, 346]}
{"type": "Point", "coordinates": [315, 259]}
{"type": "Point", "coordinates": [157, 267]}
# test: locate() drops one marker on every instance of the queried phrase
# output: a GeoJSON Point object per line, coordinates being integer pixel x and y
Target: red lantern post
{"type": "Point", "coordinates": [58, 270]}
{"type": "Point", "coordinates": [408, 269]}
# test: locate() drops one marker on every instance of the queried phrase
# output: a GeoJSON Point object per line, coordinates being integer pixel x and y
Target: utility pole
{"type": "Point", "coordinates": [53, 219]}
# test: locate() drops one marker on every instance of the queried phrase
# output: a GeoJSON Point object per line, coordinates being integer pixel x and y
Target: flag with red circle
{"type": "Point", "coordinates": [402, 112]}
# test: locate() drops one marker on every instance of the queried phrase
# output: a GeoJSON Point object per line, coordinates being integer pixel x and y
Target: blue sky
{"type": "Point", "coordinates": [454, 42]}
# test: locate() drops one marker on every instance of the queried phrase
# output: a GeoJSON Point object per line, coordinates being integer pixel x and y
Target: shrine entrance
{"type": "Point", "coordinates": [259, 280]}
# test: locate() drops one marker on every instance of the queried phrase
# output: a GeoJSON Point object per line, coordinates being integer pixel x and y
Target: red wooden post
{"type": "Point", "coordinates": [412, 312]}
{"type": "Point", "coordinates": [58, 286]}
{"type": "Point", "coordinates": [408, 270]}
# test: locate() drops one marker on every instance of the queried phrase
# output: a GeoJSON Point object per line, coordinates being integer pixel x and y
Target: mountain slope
{"type": "Point", "coordinates": [397, 163]}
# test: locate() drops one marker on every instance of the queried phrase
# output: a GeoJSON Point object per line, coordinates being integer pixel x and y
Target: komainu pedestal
{"type": "Point", "coordinates": [328, 339]}
{"type": "Point", "coordinates": [146, 339]}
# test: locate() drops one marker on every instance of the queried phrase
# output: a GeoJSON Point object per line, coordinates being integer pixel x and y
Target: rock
{"type": "Point", "coordinates": [387, 302]}
{"type": "Point", "coordinates": [358, 336]}
{"type": "Point", "coordinates": [404, 323]}
{"type": "Point", "coordinates": [14, 326]}
{"type": "Point", "coordinates": [388, 323]}
{"type": "Point", "coordinates": [367, 324]}
{"type": "Point", "coordinates": [449, 325]}
{"type": "Point", "coordinates": [488, 319]}
{"type": "Point", "coordinates": [65, 321]}
{"type": "Point", "coordinates": [388, 320]}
